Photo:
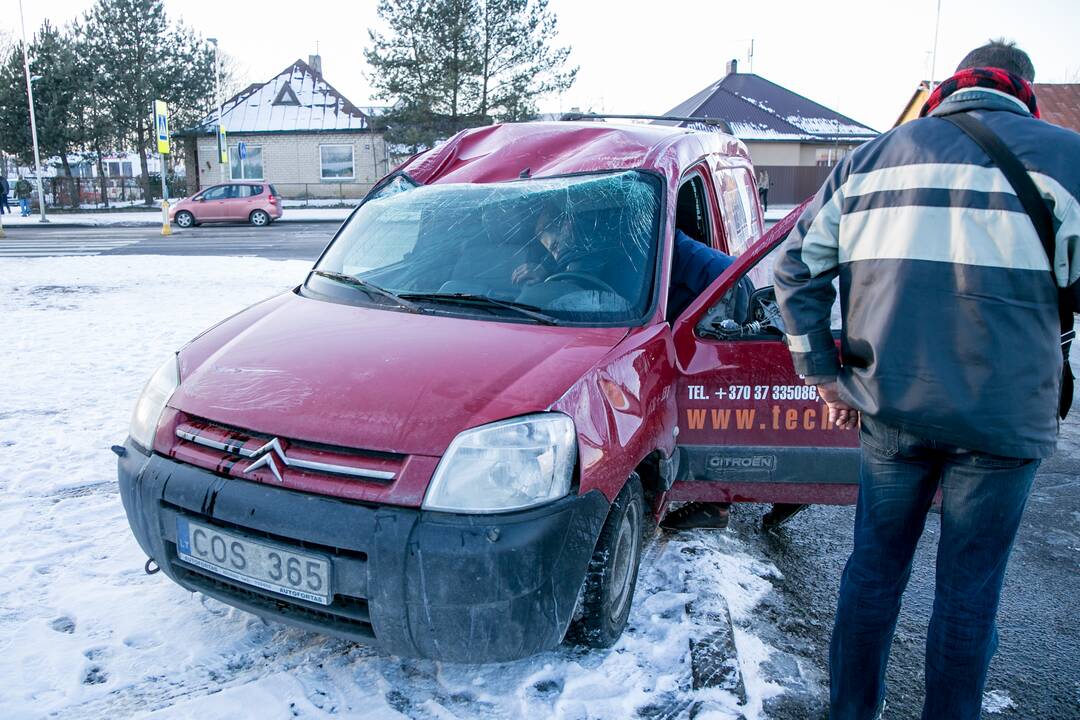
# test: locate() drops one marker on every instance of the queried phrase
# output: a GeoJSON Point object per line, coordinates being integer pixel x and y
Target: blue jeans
{"type": "Point", "coordinates": [24, 206]}
{"type": "Point", "coordinates": [983, 498]}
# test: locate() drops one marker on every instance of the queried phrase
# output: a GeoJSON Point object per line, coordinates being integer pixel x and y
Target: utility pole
{"type": "Point", "coordinates": [33, 121]}
{"type": "Point", "coordinates": [933, 56]}
{"type": "Point", "coordinates": [223, 151]}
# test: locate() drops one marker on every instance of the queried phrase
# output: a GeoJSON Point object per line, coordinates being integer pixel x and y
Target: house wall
{"type": "Point", "coordinates": [773, 153]}
{"type": "Point", "coordinates": [291, 161]}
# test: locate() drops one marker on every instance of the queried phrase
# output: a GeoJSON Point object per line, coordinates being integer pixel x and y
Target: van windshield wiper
{"type": "Point", "coordinates": [530, 311]}
{"type": "Point", "coordinates": [369, 288]}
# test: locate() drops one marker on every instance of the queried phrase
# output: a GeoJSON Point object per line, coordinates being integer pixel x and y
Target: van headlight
{"type": "Point", "coordinates": [151, 404]}
{"type": "Point", "coordinates": [508, 465]}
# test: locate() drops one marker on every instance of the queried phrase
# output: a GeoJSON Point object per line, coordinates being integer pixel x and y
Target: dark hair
{"type": "Point", "coordinates": [1000, 54]}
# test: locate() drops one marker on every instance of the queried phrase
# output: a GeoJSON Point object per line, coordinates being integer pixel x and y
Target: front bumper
{"type": "Point", "coordinates": [460, 588]}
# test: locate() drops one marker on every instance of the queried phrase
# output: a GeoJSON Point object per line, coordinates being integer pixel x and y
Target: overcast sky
{"type": "Point", "coordinates": [861, 57]}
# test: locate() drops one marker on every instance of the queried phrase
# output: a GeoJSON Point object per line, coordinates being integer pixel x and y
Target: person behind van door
{"type": "Point", "coordinates": [950, 352]}
{"type": "Point", "coordinates": [694, 267]}
{"type": "Point", "coordinates": [763, 188]}
{"type": "Point", "coordinates": [23, 192]}
{"type": "Point", "coordinates": [5, 188]}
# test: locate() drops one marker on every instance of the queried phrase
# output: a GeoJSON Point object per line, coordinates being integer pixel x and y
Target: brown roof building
{"type": "Point", "coordinates": [1059, 103]}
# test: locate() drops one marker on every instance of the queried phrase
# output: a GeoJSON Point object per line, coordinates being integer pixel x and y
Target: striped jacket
{"type": "Point", "coordinates": [950, 323]}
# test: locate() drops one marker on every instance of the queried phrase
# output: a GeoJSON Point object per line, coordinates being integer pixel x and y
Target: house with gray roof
{"type": "Point", "coordinates": [792, 137]}
{"type": "Point", "coordinates": [294, 131]}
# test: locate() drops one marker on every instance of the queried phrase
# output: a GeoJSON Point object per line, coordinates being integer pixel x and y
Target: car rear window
{"type": "Point", "coordinates": [273, 190]}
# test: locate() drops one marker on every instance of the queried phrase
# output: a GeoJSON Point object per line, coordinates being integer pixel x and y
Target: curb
{"type": "Point", "coordinates": [60, 224]}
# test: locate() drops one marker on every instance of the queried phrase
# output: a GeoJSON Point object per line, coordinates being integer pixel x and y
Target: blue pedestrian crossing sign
{"type": "Point", "coordinates": [161, 126]}
{"type": "Point", "coordinates": [241, 150]}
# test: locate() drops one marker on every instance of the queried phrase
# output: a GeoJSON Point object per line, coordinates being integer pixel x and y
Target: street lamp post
{"type": "Point", "coordinates": [222, 151]}
{"type": "Point", "coordinates": [33, 120]}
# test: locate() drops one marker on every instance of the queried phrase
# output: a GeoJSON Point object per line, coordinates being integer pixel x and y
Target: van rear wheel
{"type": "Point", "coordinates": [612, 575]}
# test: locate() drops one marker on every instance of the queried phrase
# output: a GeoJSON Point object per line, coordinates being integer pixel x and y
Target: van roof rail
{"type": "Point", "coordinates": [719, 123]}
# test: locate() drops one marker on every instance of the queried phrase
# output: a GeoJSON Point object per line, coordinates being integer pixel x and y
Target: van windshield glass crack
{"type": "Point", "coordinates": [577, 249]}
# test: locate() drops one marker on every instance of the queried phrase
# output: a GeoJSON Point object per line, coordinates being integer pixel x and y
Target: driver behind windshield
{"type": "Point", "coordinates": [572, 254]}
{"type": "Point", "coordinates": [554, 231]}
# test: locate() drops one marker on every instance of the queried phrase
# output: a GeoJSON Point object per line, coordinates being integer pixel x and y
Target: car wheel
{"type": "Point", "coordinates": [260, 218]}
{"type": "Point", "coordinates": [612, 575]}
{"type": "Point", "coordinates": [185, 219]}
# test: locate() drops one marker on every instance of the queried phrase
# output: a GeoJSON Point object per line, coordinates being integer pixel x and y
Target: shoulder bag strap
{"type": "Point", "coordinates": [1036, 209]}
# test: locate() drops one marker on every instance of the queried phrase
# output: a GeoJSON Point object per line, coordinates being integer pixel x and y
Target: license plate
{"type": "Point", "coordinates": [254, 562]}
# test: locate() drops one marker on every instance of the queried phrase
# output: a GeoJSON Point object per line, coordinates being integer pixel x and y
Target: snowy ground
{"type": "Point", "coordinates": [84, 633]}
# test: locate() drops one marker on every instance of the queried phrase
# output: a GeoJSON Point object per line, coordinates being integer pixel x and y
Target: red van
{"type": "Point", "coordinates": [451, 439]}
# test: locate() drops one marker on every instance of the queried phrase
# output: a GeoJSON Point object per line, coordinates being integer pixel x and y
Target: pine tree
{"type": "Point", "coordinates": [518, 63]}
{"type": "Point", "coordinates": [450, 64]}
{"type": "Point", "coordinates": [14, 112]}
{"type": "Point", "coordinates": [141, 57]}
{"type": "Point", "coordinates": [52, 66]}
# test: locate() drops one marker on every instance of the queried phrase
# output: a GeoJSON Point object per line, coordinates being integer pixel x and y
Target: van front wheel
{"type": "Point", "coordinates": [612, 575]}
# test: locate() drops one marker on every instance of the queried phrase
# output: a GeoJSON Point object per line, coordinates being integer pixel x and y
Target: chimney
{"type": "Point", "coordinates": [732, 67]}
{"type": "Point", "coordinates": [315, 61]}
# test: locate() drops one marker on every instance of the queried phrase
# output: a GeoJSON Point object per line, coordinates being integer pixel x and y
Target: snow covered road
{"type": "Point", "coordinates": [84, 633]}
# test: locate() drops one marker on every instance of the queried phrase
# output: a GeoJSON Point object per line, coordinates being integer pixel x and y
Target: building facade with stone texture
{"type": "Point", "coordinates": [294, 131]}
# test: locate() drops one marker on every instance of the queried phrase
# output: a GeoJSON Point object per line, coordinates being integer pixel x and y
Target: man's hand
{"type": "Point", "coordinates": [841, 414]}
{"type": "Point", "coordinates": [527, 274]}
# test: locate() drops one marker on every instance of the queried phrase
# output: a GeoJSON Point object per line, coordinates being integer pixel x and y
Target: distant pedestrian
{"type": "Point", "coordinates": [23, 193]}
{"type": "Point", "coordinates": [5, 189]}
{"type": "Point", "coordinates": [956, 241]}
{"type": "Point", "coordinates": [763, 188]}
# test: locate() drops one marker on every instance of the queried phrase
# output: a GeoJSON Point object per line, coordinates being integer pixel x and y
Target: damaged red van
{"type": "Point", "coordinates": [452, 438]}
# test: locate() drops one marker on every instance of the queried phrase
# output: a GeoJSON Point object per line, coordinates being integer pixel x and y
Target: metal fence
{"type": "Point", "coordinates": [96, 193]}
{"type": "Point", "coordinates": [790, 185]}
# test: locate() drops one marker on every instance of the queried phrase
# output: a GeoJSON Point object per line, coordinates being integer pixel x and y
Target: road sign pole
{"type": "Point", "coordinates": [161, 131]}
{"type": "Point", "coordinates": [166, 228]}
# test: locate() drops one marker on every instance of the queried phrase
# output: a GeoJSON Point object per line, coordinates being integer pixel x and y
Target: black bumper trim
{"type": "Point", "coordinates": [460, 588]}
{"type": "Point", "coordinates": [771, 464]}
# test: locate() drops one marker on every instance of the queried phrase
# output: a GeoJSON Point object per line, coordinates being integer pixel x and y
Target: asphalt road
{"type": "Point", "coordinates": [280, 241]}
{"type": "Point", "coordinates": [1036, 665]}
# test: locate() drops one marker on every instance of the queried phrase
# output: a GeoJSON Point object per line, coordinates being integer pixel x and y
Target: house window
{"type": "Point", "coordinates": [336, 162]}
{"type": "Point", "coordinates": [116, 168]}
{"type": "Point", "coordinates": [249, 167]}
{"type": "Point", "coordinates": [827, 157]}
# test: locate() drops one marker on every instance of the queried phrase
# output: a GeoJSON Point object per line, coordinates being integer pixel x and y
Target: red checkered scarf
{"type": "Point", "coordinates": [985, 77]}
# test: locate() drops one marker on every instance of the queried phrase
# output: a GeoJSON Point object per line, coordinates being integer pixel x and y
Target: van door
{"type": "Point", "coordinates": [750, 430]}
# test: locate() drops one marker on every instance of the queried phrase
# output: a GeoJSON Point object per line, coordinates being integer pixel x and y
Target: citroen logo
{"type": "Point", "coordinates": [264, 457]}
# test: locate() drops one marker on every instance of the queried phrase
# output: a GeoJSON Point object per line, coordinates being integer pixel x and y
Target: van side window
{"type": "Point", "coordinates": [738, 208]}
{"type": "Point", "coordinates": [692, 210]}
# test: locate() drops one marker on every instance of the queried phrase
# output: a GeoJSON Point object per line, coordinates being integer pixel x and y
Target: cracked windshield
{"type": "Point", "coordinates": [576, 249]}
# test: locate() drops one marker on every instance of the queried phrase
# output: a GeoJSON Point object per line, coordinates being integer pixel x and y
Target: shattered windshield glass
{"type": "Point", "coordinates": [575, 249]}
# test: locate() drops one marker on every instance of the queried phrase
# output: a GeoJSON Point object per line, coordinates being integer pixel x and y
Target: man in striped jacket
{"type": "Point", "coordinates": [950, 353]}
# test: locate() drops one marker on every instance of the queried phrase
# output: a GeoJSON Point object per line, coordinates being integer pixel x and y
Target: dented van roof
{"type": "Point", "coordinates": [510, 151]}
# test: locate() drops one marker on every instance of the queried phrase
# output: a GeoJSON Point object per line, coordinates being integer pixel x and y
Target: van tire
{"type": "Point", "coordinates": [611, 578]}
{"type": "Point", "coordinates": [185, 219]}
{"type": "Point", "coordinates": [259, 218]}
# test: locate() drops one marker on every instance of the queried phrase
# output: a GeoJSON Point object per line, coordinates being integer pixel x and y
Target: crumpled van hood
{"type": "Point", "coordinates": [377, 379]}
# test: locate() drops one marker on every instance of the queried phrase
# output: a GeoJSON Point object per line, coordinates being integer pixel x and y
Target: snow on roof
{"type": "Point", "coordinates": [757, 109]}
{"type": "Point", "coordinates": [297, 99]}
